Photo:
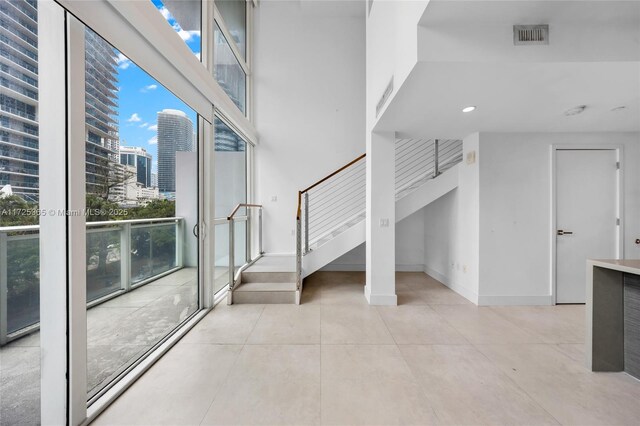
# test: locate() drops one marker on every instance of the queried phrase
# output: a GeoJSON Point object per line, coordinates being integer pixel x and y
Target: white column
{"type": "Point", "coordinates": [380, 286]}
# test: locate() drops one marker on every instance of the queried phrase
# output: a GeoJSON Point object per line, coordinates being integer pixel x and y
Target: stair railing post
{"type": "Point", "coordinates": [306, 222]}
{"type": "Point", "coordinates": [436, 170]}
{"type": "Point", "coordinates": [231, 253]}
{"type": "Point", "coordinates": [260, 230]}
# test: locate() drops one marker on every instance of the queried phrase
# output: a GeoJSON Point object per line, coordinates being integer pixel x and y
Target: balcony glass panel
{"type": "Point", "coordinates": [240, 244]}
{"type": "Point", "coordinates": [221, 272]}
{"type": "Point", "coordinates": [153, 251]}
{"type": "Point", "coordinates": [227, 70]}
{"type": "Point", "coordinates": [23, 282]}
{"type": "Point", "coordinates": [103, 263]}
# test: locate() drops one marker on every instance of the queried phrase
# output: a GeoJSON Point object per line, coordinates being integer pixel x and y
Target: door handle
{"type": "Point", "coordinates": [563, 232]}
{"type": "Point", "coordinates": [195, 230]}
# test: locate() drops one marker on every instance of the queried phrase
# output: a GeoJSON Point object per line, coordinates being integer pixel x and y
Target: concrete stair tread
{"type": "Point", "coordinates": [273, 264]}
{"type": "Point", "coordinates": [262, 287]}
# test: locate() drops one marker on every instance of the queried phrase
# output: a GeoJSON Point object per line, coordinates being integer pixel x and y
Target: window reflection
{"type": "Point", "coordinates": [228, 72]}
{"type": "Point", "coordinates": [234, 15]}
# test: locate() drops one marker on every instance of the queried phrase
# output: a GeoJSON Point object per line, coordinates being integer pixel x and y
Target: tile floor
{"type": "Point", "coordinates": [435, 359]}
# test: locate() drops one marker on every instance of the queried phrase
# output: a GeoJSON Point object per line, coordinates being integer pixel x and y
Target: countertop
{"type": "Point", "coordinates": [631, 266]}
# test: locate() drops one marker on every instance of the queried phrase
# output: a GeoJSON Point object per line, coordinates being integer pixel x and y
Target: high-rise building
{"type": "Point", "coordinates": [140, 161]}
{"type": "Point", "coordinates": [175, 133]}
{"type": "Point", "coordinates": [154, 179]}
{"type": "Point", "coordinates": [101, 106]}
{"type": "Point", "coordinates": [19, 144]}
{"type": "Point", "coordinates": [19, 97]}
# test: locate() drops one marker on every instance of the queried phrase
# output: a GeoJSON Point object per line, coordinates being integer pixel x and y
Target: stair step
{"type": "Point", "coordinates": [249, 276]}
{"type": "Point", "coordinates": [266, 286]}
{"type": "Point", "coordinates": [265, 293]}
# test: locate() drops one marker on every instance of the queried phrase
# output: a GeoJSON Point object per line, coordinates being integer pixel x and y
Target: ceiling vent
{"type": "Point", "coordinates": [530, 35]}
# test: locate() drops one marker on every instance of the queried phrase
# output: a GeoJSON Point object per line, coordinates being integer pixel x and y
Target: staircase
{"type": "Point", "coordinates": [271, 279]}
{"type": "Point", "coordinates": [330, 219]}
{"type": "Point", "coordinates": [332, 213]}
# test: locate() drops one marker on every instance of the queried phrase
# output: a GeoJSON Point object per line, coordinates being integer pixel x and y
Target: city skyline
{"type": "Point", "coordinates": [122, 101]}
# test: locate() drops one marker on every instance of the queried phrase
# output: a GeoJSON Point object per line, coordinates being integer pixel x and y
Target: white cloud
{"type": "Point", "coordinates": [185, 35]}
{"type": "Point", "coordinates": [153, 128]}
{"type": "Point", "coordinates": [149, 87]}
{"type": "Point", "coordinates": [165, 12]}
{"type": "Point", "coordinates": [197, 55]}
{"type": "Point", "coordinates": [153, 141]}
{"type": "Point", "coordinates": [134, 118]}
{"type": "Point", "coordinates": [143, 125]}
{"type": "Point", "coordinates": [123, 62]}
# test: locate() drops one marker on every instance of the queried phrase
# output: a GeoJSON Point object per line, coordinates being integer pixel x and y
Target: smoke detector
{"type": "Point", "coordinates": [575, 110]}
{"type": "Point", "coordinates": [530, 35]}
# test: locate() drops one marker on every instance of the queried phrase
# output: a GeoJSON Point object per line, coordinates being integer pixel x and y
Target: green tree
{"type": "Point", "coordinates": [15, 211]}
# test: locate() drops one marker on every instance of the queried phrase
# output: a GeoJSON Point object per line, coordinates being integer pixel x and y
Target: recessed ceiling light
{"type": "Point", "coordinates": [468, 109]}
{"type": "Point", "coordinates": [619, 108]}
{"type": "Point", "coordinates": [575, 110]}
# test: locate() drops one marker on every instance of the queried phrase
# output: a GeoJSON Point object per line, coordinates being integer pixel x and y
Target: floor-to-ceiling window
{"type": "Point", "coordinates": [19, 213]}
{"type": "Point", "coordinates": [230, 64]}
{"type": "Point", "coordinates": [124, 169]}
{"type": "Point", "coordinates": [142, 258]}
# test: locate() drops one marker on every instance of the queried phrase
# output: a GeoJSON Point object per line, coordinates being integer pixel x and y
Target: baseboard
{"type": "Point", "coordinates": [462, 291]}
{"type": "Point", "coordinates": [380, 299]}
{"type": "Point", "coordinates": [409, 268]}
{"type": "Point", "coordinates": [515, 300]}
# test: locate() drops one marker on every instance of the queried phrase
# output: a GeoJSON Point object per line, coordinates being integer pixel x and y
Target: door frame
{"type": "Point", "coordinates": [619, 150]}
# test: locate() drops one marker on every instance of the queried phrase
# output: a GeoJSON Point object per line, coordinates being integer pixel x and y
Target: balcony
{"type": "Point", "coordinates": [133, 300]}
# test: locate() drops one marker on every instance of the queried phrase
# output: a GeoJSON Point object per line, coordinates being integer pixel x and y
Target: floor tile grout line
{"type": "Point", "coordinates": [222, 384]}
{"type": "Point", "coordinates": [255, 325]}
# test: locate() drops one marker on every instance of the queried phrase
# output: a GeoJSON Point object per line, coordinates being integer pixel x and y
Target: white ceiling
{"type": "Point", "coordinates": [593, 60]}
{"type": "Point", "coordinates": [516, 97]}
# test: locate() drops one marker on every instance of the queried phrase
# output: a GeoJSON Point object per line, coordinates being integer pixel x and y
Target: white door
{"type": "Point", "coordinates": [586, 217]}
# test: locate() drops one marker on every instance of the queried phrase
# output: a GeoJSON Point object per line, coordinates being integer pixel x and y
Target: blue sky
{"type": "Point", "coordinates": [141, 97]}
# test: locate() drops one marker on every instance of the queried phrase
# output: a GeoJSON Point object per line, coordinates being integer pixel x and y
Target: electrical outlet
{"type": "Point", "coordinates": [274, 198]}
{"type": "Point", "coordinates": [384, 223]}
{"type": "Point", "coordinates": [293, 232]}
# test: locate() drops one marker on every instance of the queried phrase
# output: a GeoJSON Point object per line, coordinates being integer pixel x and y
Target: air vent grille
{"type": "Point", "coordinates": [530, 35]}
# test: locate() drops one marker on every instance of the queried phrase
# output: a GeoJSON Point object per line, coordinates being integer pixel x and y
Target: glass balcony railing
{"type": "Point", "coordinates": [152, 246]}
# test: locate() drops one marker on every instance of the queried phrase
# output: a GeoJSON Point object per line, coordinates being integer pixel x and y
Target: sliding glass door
{"type": "Point", "coordinates": [142, 252]}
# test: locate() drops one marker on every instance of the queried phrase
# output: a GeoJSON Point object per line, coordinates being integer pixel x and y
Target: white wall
{"type": "Point", "coordinates": [515, 211]}
{"type": "Point", "coordinates": [392, 47]}
{"type": "Point", "coordinates": [409, 248]}
{"type": "Point", "coordinates": [309, 88]}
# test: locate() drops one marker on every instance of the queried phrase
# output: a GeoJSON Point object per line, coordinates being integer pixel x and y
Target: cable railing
{"type": "Point", "coordinates": [337, 201]}
{"type": "Point", "coordinates": [418, 160]}
{"type": "Point", "coordinates": [122, 255]}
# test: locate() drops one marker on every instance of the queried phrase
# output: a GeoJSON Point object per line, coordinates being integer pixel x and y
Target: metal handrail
{"type": "Point", "coordinates": [231, 220]}
{"type": "Point", "coordinates": [305, 192]}
{"type": "Point", "coordinates": [22, 228]}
